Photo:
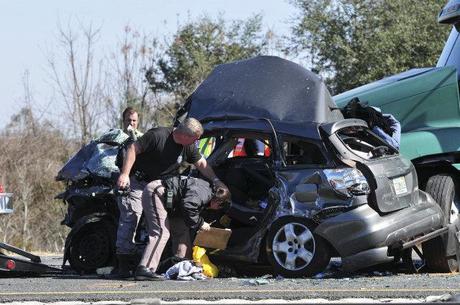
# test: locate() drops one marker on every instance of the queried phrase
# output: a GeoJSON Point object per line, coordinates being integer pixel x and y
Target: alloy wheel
{"type": "Point", "coordinates": [293, 246]}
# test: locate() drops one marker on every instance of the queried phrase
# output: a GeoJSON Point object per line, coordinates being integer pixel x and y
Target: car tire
{"type": "Point", "coordinates": [442, 189]}
{"type": "Point", "coordinates": [92, 247]}
{"type": "Point", "coordinates": [293, 236]}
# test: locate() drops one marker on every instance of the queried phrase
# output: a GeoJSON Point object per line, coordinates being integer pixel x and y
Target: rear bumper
{"type": "Point", "coordinates": [363, 233]}
{"type": "Point", "coordinates": [383, 254]}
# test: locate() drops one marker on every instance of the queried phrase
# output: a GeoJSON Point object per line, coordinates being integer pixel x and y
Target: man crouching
{"type": "Point", "coordinates": [182, 199]}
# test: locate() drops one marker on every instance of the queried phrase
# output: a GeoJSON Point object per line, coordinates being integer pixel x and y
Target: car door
{"type": "Point", "coordinates": [247, 172]}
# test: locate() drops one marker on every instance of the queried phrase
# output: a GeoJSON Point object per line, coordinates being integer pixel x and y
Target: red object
{"type": "Point", "coordinates": [10, 264]}
{"type": "Point", "coordinates": [239, 150]}
{"type": "Point", "coordinates": [267, 151]}
{"type": "Point", "coordinates": [1, 189]}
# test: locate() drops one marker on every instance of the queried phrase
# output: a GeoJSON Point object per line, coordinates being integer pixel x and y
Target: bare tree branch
{"type": "Point", "coordinates": [82, 91]}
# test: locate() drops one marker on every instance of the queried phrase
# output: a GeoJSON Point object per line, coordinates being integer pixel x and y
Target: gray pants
{"type": "Point", "coordinates": [160, 227]}
{"type": "Point", "coordinates": [130, 208]}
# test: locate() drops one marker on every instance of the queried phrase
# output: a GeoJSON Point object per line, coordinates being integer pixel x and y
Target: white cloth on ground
{"type": "Point", "coordinates": [185, 271]}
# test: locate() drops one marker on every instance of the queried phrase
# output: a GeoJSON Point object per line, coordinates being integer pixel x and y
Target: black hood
{"type": "Point", "coordinates": [262, 87]}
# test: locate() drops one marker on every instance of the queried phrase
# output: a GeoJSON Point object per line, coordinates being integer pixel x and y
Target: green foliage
{"type": "Point", "coordinates": [200, 45]}
{"type": "Point", "coordinates": [353, 42]}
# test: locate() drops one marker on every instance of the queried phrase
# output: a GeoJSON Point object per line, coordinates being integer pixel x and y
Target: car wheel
{"type": "Point", "coordinates": [294, 250]}
{"type": "Point", "coordinates": [442, 189]}
{"type": "Point", "coordinates": [92, 248]}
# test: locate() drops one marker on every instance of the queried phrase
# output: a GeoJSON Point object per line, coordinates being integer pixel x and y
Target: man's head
{"type": "Point", "coordinates": [188, 132]}
{"type": "Point", "coordinates": [130, 118]}
{"type": "Point", "coordinates": [221, 199]}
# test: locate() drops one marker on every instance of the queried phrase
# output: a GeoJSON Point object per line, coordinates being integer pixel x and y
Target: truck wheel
{"type": "Point", "coordinates": [442, 189]}
{"type": "Point", "coordinates": [294, 250]}
{"type": "Point", "coordinates": [92, 247]}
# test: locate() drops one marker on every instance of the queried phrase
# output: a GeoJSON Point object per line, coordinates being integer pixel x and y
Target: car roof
{"type": "Point", "coordinates": [310, 130]}
{"type": "Point", "coordinates": [262, 87]}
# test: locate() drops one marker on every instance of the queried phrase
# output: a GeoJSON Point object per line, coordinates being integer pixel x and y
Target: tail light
{"type": "Point", "coordinates": [10, 264]}
{"type": "Point", "coordinates": [347, 181]}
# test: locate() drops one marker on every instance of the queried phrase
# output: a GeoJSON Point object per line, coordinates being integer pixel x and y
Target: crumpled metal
{"type": "Point", "coordinates": [96, 158]}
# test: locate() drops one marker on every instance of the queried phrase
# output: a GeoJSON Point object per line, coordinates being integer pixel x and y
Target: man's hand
{"type": "Point", "coordinates": [205, 226]}
{"type": "Point", "coordinates": [123, 181]}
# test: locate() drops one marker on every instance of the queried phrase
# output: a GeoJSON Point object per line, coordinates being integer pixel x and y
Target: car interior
{"type": "Point", "coordinates": [243, 162]}
{"type": "Point", "coordinates": [364, 143]}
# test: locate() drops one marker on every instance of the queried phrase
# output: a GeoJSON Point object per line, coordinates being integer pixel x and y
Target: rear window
{"type": "Point", "coordinates": [362, 142]}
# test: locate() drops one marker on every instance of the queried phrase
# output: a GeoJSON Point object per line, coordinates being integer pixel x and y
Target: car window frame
{"type": "Point", "coordinates": [344, 150]}
{"type": "Point", "coordinates": [318, 144]}
{"type": "Point", "coordinates": [229, 134]}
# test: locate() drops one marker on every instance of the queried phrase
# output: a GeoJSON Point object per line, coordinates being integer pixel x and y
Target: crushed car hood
{"type": "Point", "coordinates": [96, 158]}
{"type": "Point", "coordinates": [262, 87]}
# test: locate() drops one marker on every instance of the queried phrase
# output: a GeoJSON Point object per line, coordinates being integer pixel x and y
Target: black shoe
{"type": "Point", "coordinates": [123, 271]}
{"type": "Point", "coordinates": [145, 274]}
{"type": "Point", "coordinates": [117, 275]}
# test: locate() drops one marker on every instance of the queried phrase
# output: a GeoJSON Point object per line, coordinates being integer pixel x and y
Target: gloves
{"type": "Point", "coordinates": [205, 226]}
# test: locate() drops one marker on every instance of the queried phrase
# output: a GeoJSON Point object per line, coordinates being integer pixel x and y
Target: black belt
{"type": "Point", "coordinates": [141, 176]}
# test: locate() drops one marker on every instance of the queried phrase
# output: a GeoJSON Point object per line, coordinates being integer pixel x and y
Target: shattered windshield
{"type": "Point", "coordinates": [96, 158]}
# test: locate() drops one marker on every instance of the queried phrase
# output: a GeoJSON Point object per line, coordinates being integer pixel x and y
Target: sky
{"type": "Point", "coordinates": [29, 31]}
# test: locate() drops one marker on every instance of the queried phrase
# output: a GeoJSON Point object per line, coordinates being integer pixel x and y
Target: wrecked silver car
{"type": "Point", "coordinates": [92, 210]}
{"type": "Point", "coordinates": [307, 184]}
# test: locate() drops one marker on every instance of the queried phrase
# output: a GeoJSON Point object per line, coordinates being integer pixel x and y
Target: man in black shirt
{"type": "Point", "coordinates": [158, 153]}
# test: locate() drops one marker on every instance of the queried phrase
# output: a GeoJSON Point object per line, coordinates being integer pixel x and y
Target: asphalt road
{"type": "Point", "coordinates": [332, 285]}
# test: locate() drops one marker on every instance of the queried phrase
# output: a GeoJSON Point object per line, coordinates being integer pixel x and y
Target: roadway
{"type": "Point", "coordinates": [331, 286]}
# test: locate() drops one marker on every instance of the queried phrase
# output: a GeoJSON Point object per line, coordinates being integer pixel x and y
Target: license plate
{"type": "Point", "coordinates": [400, 185]}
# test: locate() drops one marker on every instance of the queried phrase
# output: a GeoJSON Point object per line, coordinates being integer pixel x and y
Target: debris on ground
{"type": "Point", "coordinates": [439, 298]}
{"type": "Point", "coordinates": [226, 271]}
{"type": "Point", "coordinates": [104, 270]}
{"type": "Point", "coordinates": [263, 280]}
{"type": "Point", "coordinates": [382, 273]}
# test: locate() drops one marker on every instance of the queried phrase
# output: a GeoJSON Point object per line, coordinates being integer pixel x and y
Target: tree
{"type": "Point", "coordinates": [353, 42]}
{"type": "Point", "coordinates": [200, 45]}
{"type": "Point", "coordinates": [79, 80]}
{"type": "Point", "coordinates": [128, 86]}
{"type": "Point", "coordinates": [32, 152]}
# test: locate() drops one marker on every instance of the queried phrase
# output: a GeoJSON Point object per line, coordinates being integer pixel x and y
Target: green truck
{"type": "Point", "coordinates": [426, 102]}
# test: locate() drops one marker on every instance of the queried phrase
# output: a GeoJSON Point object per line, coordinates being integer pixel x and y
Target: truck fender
{"type": "Point", "coordinates": [83, 222]}
{"type": "Point", "coordinates": [431, 165]}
